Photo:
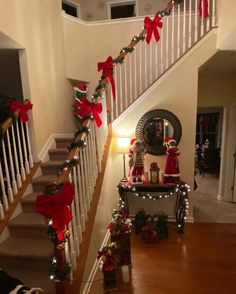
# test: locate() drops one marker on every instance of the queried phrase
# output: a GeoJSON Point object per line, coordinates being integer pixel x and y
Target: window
{"type": "Point", "coordinates": [121, 9]}
{"type": "Point", "coordinates": [70, 8]}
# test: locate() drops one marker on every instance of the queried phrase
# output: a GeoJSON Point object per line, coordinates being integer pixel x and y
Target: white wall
{"type": "Point", "coordinates": [37, 26]}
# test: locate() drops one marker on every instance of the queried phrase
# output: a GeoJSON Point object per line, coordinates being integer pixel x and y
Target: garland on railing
{"type": "Point", "coordinates": [55, 206]}
{"type": "Point", "coordinates": [107, 67]}
{"type": "Point", "coordinates": [22, 109]}
{"type": "Point", "coordinates": [67, 164]}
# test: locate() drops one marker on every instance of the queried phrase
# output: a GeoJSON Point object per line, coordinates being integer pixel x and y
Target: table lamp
{"type": "Point", "coordinates": [123, 147]}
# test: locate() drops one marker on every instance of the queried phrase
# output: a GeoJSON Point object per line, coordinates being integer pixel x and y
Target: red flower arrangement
{"type": "Point", "coordinates": [107, 257]}
{"type": "Point", "coordinates": [149, 233]}
{"type": "Point", "coordinates": [121, 223]}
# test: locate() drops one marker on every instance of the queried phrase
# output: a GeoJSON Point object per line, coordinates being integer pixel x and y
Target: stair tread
{"type": "Point", "coordinates": [30, 198]}
{"type": "Point", "coordinates": [43, 179]}
{"type": "Point", "coordinates": [58, 150]}
{"type": "Point", "coordinates": [34, 248]}
{"type": "Point", "coordinates": [64, 139]}
{"type": "Point", "coordinates": [52, 163]}
{"type": "Point", "coordinates": [27, 219]}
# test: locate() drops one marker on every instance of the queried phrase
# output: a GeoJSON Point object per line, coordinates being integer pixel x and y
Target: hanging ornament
{"type": "Point", "coordinates": [107, 72]}
{"type": "Point", "coordinates": [23, 109]}
{"type": "Point", "coordinates": [151, 27]}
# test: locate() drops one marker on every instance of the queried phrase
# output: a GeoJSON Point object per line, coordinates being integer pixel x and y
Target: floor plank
{"type": "Point", "coordinates": [201, 261]}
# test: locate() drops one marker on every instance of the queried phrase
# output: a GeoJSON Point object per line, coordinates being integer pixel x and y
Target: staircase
{"type": "Point", "coordinates": [28, 246]}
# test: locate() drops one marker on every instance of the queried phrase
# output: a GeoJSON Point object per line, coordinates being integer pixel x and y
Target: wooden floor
{"type": "Point", "coordinates": [201, 261]}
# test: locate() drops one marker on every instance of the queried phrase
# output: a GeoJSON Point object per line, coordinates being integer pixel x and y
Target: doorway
{"type": "Point", "coordinates": [121, 9]}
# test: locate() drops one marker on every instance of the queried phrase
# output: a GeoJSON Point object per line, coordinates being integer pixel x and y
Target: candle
{"type": "Point", "coordinates": [125, 273]}
{"type": "Point", "coordinates": [161, 177]}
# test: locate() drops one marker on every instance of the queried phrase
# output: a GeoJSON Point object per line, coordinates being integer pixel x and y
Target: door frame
{"type": "Point", "coordinates": [121, 2]}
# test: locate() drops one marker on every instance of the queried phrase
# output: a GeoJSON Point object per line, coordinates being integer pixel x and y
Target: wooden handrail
{"type": "Point", "coordinates": [10, 121]}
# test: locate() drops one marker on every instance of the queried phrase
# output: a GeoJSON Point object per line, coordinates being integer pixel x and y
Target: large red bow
{"type": "Point", "coordinates": [85, 108]}
{"type": "Point", "coordinates": [23, 109]}
{"type": "Point", "coordinates": [151, 26]}
{"type": "Point", "coordinates": [107, 71]}
{"type": "Point", "coordinates": [56, 208]}
{"type": "Point", "coordinates": [205, 8]}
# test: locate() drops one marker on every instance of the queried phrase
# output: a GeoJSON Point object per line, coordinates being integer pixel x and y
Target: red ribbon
{"type": "Point", "coordinates": [205, 12]}
{"type": "Point", "coordinates": [86, 108]}
{"type": "Point", "coordinates": [23, 109]}
{"type": "Point", "coordinates": [56, 208]}
{"type": "Point", "coordinates": [151, 26]}
{"type": "Point", "coordinates": [107, 71]}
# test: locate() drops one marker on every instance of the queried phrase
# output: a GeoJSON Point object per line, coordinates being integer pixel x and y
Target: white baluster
{"type": "Point", "coordinates": [202, 19]}
{"type": "Point", "coordinates": [162, 45]}
{"type": "Point", "coordinates": [86, 176]}
{"type": "Point", "coordinates": [31, 162]}
{"type": "Point", "coordinates": [68, 259]}
{"type": "Point", "coordinates": [190, 25]}
{"type": "Point", "coordinates": [140, 68]}
{"type": "Point", "coordinates": [75, 220]}
{"type": "Point", "coordinates": [126, 85]}
{"type": "Point", "coordinates": [184, 27]}
{"type": "Point", "coordinates": [82, 201]}
{"type": "Point", "coordinates": [22, 168]}
{"type": "Point", "coordinates": [145, 66]}
{"type": "Point", "coordinates": [208, 19]}
{"type": "Point", "coordinates": [9, 188]}
{"type": "Point", "coordinates": [90, 157]}
{"type": "Point", "coordinates": [156, 56]}
{"type": "Point", "coordinates": [24, 149]}
{"type": "Point", "coordinates": [77, 205]}
{"type": "Point", "coordinates": [213, 13]}
{"type": "Point", "coordinates": [116, 113]}
{"type": "Point", "coordinates": [88, 173]}
{"type": "Point", "coordinates": [1, 211]}
{"type": "Point", "coordinates": [150, 61]}
{"type": "Point", "coordinates": [167, 43]}
{"type": "Point", "coordinates": [178, 33]}
{"type": "Point", "coordinates": [14, 183]}
{"type": "Point", "coordinates": [95, 163]}
{"type": "Point", "coordinates": [4, 195]}
{"type": "Point", "coordinates": [135, 76]}
{"type": "Point", "coordinates": [18, 176]}
{"type": "Point", "coordinates": [72, 248]}
{"type": "Point", "coordinates": [121, 91]}
{"type": "Point", "coordinates": [173, 36]}
{"type": "Point", "coordinates": [130, 78]}
{"type": "Point", "coordinates": [98, 148]}
{"type": "Point", "coordinates": [196, 22]}
{"type": "Point", "coordinates": [83, 177]}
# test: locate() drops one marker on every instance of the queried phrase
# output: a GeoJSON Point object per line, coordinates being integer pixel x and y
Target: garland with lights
{"type": "Point", "coordinates": [67, 164]}
{"type": "Point", "coordinates": [77, 144]}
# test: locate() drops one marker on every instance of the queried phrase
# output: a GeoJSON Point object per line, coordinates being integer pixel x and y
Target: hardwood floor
{"type": "Point", "coordinates": [201, 261]}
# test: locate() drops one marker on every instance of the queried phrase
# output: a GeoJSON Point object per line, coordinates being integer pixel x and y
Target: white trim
{"type": "Point", "coordinates": [95, 267]}
{"type": "Point", "coordinates": [163, 77]}
{"type": "Point", "coordinates": [73, 4]}
{"type": "Point", "coordinates": [121, 3]}
{"type": "Point", "coordinates": [103, 22]}
{"type": "Point", "coordinates": [50, 143]}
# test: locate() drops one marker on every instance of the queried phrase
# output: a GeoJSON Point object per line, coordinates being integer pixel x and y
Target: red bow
{"type": "Point", "coordinates": [205, 8]}
{"type": "Point", "coordinates": [151, 26]}
{"type": "Point", "coordinates": [84, 108]}
{"type": "Point", "coordinates": [56, 208]}
{"type": "Point", "coordinates": [107, 71]}
{"type": "Point", "coordinates": [23, 109]}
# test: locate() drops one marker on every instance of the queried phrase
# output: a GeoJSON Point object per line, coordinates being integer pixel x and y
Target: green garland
{"type": "Point", "coordinates": [68, 164]}
{"type": "Point", "coordinates": [55, 273]}
{"type": "Point", "coordinates": [78, 144]}
{"type": "Point", "coordinates": [85, 130]}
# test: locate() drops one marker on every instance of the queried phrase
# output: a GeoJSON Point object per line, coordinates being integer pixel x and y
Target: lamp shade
{"type": "Point", "coordinates": [122, 145]}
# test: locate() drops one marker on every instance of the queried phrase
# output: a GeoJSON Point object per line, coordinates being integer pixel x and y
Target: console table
{"type": "Point", "coordinates": [156, 192]}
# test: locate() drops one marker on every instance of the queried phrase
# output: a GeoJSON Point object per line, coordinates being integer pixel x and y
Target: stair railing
{"type": "Point", "coordinates": [181, 30]}
{"type": "Point", "coordinates": [16, 159]}
{"type": "Point", "coordinates": [86, 160]}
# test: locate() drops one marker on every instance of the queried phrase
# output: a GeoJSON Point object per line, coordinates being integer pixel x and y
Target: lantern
{"type": "Point", "coordinates": [154, 173]}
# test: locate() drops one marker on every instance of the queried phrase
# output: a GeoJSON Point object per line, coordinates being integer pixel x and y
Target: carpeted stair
{"type": "Point", "coordinates": [26, 253]}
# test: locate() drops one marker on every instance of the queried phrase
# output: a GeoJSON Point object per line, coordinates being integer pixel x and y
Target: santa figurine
{"type": "Point", "coordinates": [136, 162]}
{"type": "Point", "coordinates": [172, 173]}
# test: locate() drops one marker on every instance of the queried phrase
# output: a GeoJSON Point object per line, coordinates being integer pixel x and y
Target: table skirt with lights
{"type": "Point", "coordinates": [156, 192]}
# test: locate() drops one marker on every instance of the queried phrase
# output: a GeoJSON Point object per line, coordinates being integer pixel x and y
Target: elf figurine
{"type": "Point", "coordinates": [136, 162]}
{"type": "Point", "coordinates": [172, 173]}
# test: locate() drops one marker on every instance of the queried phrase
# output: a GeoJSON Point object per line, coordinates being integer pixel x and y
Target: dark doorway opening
{"type": "Point", "coordinates": [122, 10]}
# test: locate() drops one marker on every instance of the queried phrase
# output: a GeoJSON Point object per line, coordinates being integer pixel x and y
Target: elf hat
{"type": "Point", "coordinates": [168, 140]}
{"type": "Point", "coordinates": [81, 87]}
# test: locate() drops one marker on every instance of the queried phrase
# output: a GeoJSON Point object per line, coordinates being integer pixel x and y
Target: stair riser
{"type": "Point", "coordinates": [49, 170]}
{"type": "Point", "coordinates": [58, 156]}
{"type": "Point", "coordinates": [25, 263]}
{"type": "Point", "coordinates": [28, 207]}
{"type": "Point", "coordinates": [39, 187]}
{"type": "Point", "coordinates": [63, 144]}
{"type": "Point", "coordinates": [29, 232]}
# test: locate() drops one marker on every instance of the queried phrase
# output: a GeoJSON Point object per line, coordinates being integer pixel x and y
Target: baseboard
{"type": "Point", "coordinates": [50, 143]}
{"type": "Point", "coordinates": [95, 267]}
